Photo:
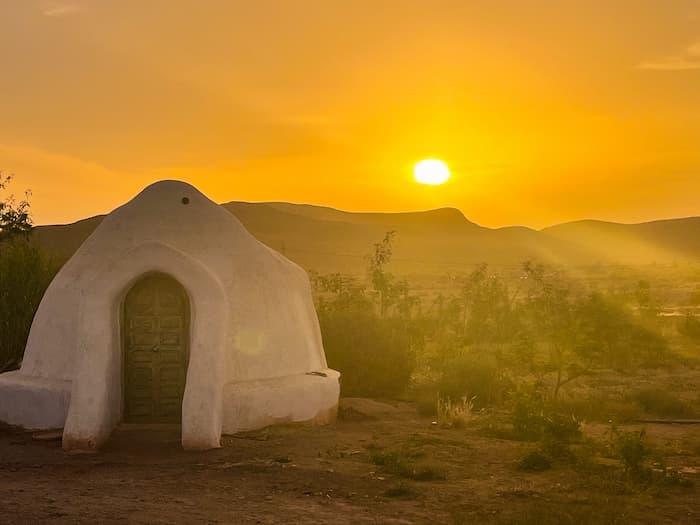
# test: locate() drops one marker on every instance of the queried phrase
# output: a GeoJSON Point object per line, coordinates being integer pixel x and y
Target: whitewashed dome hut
{"type": "Point", "coordinates": [172, 312]}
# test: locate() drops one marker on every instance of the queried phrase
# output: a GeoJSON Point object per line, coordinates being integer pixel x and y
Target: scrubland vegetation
{"type": "Point", "coordinates": [494, 338]}
{"type": "Point", "coordinates": [564, 366]}
{"type": "Point", "coordinates": [522, 356]}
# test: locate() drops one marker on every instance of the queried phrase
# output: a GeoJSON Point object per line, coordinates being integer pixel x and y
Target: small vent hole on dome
{"type": "Point", "coordinates": [185, 200]}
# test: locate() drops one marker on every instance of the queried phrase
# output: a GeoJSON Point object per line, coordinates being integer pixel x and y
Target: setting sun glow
{"type": "Point", "coordinates": [295, 110]}
{"type": "Point", "coordinates": [431, 171]}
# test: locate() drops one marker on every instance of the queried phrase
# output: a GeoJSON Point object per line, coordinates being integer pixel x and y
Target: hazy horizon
{"type": "Point", "coordinates": [421, 210]}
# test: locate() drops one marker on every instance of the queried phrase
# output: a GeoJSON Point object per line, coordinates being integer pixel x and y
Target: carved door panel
{"type": "Point", "coordinates": [156, 339]}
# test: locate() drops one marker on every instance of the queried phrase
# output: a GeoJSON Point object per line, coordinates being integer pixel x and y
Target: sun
{"type": "Point", "coordinates": [431, 171]}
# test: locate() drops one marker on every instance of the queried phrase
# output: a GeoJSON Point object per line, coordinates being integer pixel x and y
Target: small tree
{"type": "Point", "coordinates": [378, 276]}
{"type": "Point", "coordinates": [549, 305]}
{"type": "Point", "coordinates": [487, 308]}
{"type": "Point", "coordinates": [373, 354]}
{"type": "Point", "coordinates": [391, 294]}
{"type": "Point", "coordinates": [367, 328]}
{"type": "Point", "coordinates": [25, 273]}
{"type": "Point", "coordinates": [14, 216]}
{"type": "Point", "coordinates": [643, 294]}
{"type": "Point", "coordinates": [608, 333]}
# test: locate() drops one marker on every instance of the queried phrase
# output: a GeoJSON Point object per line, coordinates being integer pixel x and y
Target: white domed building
{"type": "Point", "coordinates": [171, 312]}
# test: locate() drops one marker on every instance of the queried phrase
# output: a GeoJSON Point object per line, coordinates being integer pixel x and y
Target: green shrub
{"type": "Point", "coordinates": [608, 333]}
{"type": "Point", "coordinates": [475, 377]}
{"type": "Point", "coordinates": [426, 403]}
{"type": "Point", "coordinates": [403, 463]}
{"type": "Point", "coordinates": [528, 417]}
{"type": "Point", "coordinates": [400, 491]}
{"type": "Point", "coordinates": [534, 419]}
{"type": "Point", "coordinates": [558, 432]}
{"type": "Point", "coordinates": [374, 355]}
{"type": "Point", "coordinates": [368, 334]}
{"type": "Point", "coordinates": [25, 273]}
{"type": "Point", "coordinates": [631, 449]}
{"type": "Point", "coordinates": [662, 403]}
{"type": "Point", "coordinates": [396, 462]}
{"type": "Point", "coordinates": [534, 461]}
{"type": "Point", "coordinates": [602, 408]}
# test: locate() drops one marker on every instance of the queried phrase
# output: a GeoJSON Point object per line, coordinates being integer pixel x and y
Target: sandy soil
{"type": "Point", "coordinates": [324, 475]}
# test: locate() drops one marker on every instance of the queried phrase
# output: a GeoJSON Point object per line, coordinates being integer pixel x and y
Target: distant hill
{"type": "Point", "coordinates": [434, 241]}
{"type": "Point", "coordinates": [657, 241]}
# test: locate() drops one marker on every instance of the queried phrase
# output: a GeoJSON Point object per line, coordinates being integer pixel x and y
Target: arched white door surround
{"type": "Point", "coordinates": [96, 395]}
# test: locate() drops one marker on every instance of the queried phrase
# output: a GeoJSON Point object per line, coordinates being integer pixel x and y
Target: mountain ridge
{"type": "Point", "coordinates": [326, 239]}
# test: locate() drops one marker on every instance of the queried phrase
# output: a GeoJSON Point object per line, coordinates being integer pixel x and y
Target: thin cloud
{"type": "Point", "coordinates": [671, 64]}
{"type": "Point", "coordinates": [61, 10]}
{"type": "Point", "coordinates": [688, 60]}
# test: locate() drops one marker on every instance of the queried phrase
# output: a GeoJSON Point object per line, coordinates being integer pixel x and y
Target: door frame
{"type": "Point", "coordinates": [96, 390]}
{"type": "Point", "coordinates": [123, 340]}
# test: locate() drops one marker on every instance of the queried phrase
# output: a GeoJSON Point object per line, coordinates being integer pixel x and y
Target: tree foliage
{"type": "Point", "coordinates": [368, 329]}
{"type": "Point", "coordinates": [476, 341]}
{"type": "Point", "coordinates": [15, 218]}
{"type": "Point", "coordinates": [25, 273]}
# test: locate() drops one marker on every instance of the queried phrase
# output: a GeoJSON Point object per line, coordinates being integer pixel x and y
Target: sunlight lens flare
{"type": "Point", "coordinates": [431, 171]}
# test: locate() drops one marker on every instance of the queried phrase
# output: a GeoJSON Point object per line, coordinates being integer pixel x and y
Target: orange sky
{"type": "Point", "coordinates": [546, 111]}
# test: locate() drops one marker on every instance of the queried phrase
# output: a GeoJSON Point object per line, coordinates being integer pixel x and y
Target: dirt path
{"type": "Point", "coordinates": [324, 475]}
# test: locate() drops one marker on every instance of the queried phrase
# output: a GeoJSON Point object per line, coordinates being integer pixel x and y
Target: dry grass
{"type": "Point", "coordinates": [452, 414]}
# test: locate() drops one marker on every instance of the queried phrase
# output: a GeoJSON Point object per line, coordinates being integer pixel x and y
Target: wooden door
{"type": "Point", "coordinates": [156, 350]}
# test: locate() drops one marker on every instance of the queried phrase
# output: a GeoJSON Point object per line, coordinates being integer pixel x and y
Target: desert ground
{"type": "Point", "coordinates": [335, 474]}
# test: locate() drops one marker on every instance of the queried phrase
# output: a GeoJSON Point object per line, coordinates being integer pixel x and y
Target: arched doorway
{"type": "Point", "coordinates": [155, 345]}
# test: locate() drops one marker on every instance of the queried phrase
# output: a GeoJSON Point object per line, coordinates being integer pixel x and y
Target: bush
{"type": "Point", "coordinates": [631, 449]}
{"type": "Point", "coordinates": [662, 403]}
{"type": "Point", "coordinates": [602, 408]}
{"type": "Point", "coordinates": [371, 344]}
{"type": "Point", "coordinates": [608, 333]}
{"type": "Point", "coordinates": [534, 419]}
{"type": "Point", "coordinates": [25, 273]}
{"type": "Point", "coordinates": [454, 414]}
{"type": "Point", "coordinates": [475, 377]}
{"type": "Point", "coordinates": [426, 403]}
{"type": "Point", "coordinates": [400, 491]}
{"type": "Point", "coordinates": [558, 433]}
{"type": "Point", "coordinates": [374, 355]}
{"type": "Point", "coordinates": [528, 416]}
{"type": "Point", "coordinates": [402, 463]}
{"type": "Point", "coordinates": [534, 461]}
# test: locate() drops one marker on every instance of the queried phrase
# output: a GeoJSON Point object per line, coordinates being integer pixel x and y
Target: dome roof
{"type": "Point", "coordinates": [269, 296]}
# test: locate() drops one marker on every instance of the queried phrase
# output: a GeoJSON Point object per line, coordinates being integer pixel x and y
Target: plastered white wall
{"type": "Point", "coordinates": [252, 317]}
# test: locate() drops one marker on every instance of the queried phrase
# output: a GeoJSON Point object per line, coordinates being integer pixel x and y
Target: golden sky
{"type": "Point", "coordinates": [546, 111]}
